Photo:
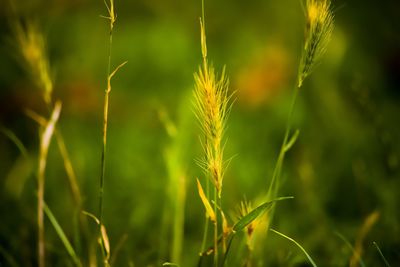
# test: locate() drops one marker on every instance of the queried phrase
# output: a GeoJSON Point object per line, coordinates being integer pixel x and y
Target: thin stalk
{"type": "Point", "coordinates": [179, 217]}
{"type": "Point", "coordinates": [297, 244]}
{"type": "Point", "coordinates": [44, 148]}
{"type": "Point", "coordinates": [10, 135]}
{"type": "Point", "coordinates": [112, 18]}
{"type": "Point", "coordinates": [76, 194]}
{"type": "Point", "coordinates": [62, 236]}
{"type": "Point", "coordinates": [381, 254]}
{"type": "Point", "coordinates": [278, 166]}
{"type": "Point", "coordinates": [105, 126]}
{"type": "Point", "coordinates": [319, 31]}
{"type": "Point", "coordinates": [212, 99]}
{"type": "Point", "coordinates": [216, 228]}
{"type": "Point", "coordinates": [204, 56]}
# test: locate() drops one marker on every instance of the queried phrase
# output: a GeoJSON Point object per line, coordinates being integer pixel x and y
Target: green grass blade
{"type": "Point", "coordinates": [297, 244]}
{"type": "Point", "coordinates": [255, 213]}
{"type": "Point", "coordinates": [380, 253]}
{"type": "Point", "coordinates": [10, 135]}
{"type": "Point", "coordinates": [227, 250]}
{"type": "Point", "coordinates": [62, 235]}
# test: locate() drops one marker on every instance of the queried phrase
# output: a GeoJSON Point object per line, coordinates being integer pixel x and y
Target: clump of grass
{"type": "Point", "coordinates": [212, 106]}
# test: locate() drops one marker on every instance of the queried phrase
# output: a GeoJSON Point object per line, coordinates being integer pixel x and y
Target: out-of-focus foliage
{"type": "Point", "coordinates": [343, 168]}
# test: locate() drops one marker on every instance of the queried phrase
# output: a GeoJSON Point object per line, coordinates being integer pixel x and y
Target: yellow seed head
{"type": "Point", "coordinates": [312, 12]}
{"type": "Point", "coordinates": [32, 48]}
{"type": "Point", "coordinates": [318, 34]}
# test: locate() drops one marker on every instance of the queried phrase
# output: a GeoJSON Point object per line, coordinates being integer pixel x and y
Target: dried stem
{"type": "Point", "coordinates": [44, 148]}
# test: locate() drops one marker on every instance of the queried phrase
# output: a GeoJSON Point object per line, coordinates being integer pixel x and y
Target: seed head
{"type": "Point", "coordinates": [32, 48]}
{"type": "Point", "coordinates": [318, 34]}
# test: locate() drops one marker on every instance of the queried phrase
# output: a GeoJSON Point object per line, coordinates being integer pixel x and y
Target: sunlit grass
{"type": "Point", "coordinates": [237, 222]}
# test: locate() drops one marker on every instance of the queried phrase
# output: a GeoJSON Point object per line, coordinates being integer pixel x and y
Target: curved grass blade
{"type": "Point", "coordinates": [11, 135]}
{"type": "Point", "coordinates": [381, 254]}
{"type": "Point", "coordinates": [227, 250]}
{"type": "Point", "coordinates": [297, 244]}
{"type": "Point", "coordinates": [255, 213]}
{"type": "Point", "coordinates": [292, 141]}
{"type": "Point", "coordinates": [103, 238]}
{"type": "Point", "coordinates": [62, 235]}
{"type": "Point", "coordinates": [209, 210]}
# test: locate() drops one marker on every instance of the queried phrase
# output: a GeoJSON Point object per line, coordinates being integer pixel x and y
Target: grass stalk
{"type": "Point", "coordinates": [76, 194]}
{"type": "Point", "coordinates": [204, 57]}
{"type": "Point", "coordinates": [216, 227]}
{"type": "Point", "coordinates": [112, 18]}
{"type": "Point", "coordinates": [318, 34]}
{"type": "Point", "coordinates": [297, 244]}
{"type": "Point", "coordinates": [105, 126]}
{"type": "Point", "coordinates": [212, 105]}
{"type": "Point", "coordinates": [18, 143]}
{"type": "Point", "coordinates": [44, 147]}
{"type": "Point", "coordinates": [178, 224]}
{"type": "Point", "coordinates": [381, 254]}
{"type": "Point", "coordinates": [274, 185]}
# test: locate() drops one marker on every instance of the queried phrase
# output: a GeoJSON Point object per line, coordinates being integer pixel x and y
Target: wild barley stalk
{"type": "Point", "coordinates": [211, 103]}
{"type": "Point", "coordinates": [112, 18]}
{"type": "Point", "coordinates": [318, 34]}
{"type": "Point", "coordinates": [31, 45]}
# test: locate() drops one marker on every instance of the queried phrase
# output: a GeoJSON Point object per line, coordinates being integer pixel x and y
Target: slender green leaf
{"type": "Point", "coordinates": [10, 135]}
{"type": "Point", "coordinates": [62, 235]}
{"type": "Point", "coordinates": [255, 213]}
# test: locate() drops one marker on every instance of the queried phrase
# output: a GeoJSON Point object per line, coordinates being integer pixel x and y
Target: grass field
{"type": "Point", "coordinates": [201, 133]}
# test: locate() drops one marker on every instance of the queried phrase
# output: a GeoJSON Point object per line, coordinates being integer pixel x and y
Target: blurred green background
{"type": "Point", "coordinates": [344, 166]}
